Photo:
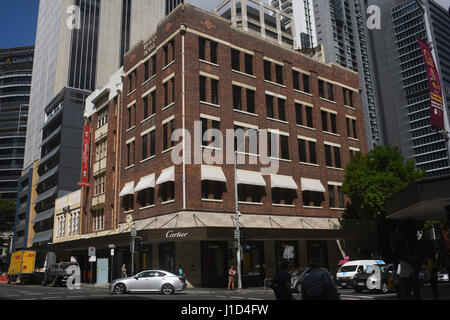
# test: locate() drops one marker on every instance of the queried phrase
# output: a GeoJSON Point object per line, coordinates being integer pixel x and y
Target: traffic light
{"type": "Point", "coordinates": [139, 245]}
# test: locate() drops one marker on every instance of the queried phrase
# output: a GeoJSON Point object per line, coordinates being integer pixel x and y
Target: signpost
{"type": "Point", "coordinates": [92, 259]}
{"type": "Point", "coordinates": [112, 247]}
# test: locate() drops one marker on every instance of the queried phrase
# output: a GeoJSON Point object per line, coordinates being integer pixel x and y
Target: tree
{"type": "Point", "coordinates": [7, 212]}
{"type": "Point", "coordinates": [373, 178]}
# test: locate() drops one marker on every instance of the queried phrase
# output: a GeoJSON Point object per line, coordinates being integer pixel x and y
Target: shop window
{"type": "Point", "coordinates": [146, 197]}
{"type": "Point", "coordinates": [213, 190]}
{"type": "Point", "coordinates": [248, 193]}
{"type": "Point", "coordinates": [283, 196]}
{"type": "Point", "coordinates": [253, 266]}
{"type": "Point", "coordinates": [286, 251]}
{"type": "Point", "coordinates": [167, 257]}
{"type": "Point", "coordinates": [167, 191]}
{"type": "Point", "coordinates": [128, 202]}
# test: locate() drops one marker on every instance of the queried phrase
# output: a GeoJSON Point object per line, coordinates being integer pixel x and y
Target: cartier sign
{"type": "Point", "coordinates": [176, 235]}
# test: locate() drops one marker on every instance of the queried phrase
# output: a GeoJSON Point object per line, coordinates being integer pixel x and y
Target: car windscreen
{"type": "Point", "coordinates": [376, 267]}
{"type": "Point", "coordinates": [348, 269]}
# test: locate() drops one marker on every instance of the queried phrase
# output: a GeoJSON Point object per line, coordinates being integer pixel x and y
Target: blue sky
{"type": "Point", "coordinates": [18, 20]}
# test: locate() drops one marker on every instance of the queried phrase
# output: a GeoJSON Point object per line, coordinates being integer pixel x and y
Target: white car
{"type": "Point", "coordinates": [443, 276]}
{"type": "Point", "coordinates": [149, 281]}
{"type": "Point", "coordinates": [345, 275]}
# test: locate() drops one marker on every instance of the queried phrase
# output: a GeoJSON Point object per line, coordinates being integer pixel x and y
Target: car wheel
{"type": "Point", "coordinates": [120, 289]}
{"type": "Point", "coordinates": [167, 289]}
{"type": "Point", "coordinates": [384, 288]}
{"type": "Point", "coordinates": [44, 283]}
{"type": "Point", "coordinates": [298, 288]}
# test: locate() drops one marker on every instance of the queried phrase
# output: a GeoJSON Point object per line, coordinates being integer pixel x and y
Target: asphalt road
{"type": "Point", "coordinates": [31, 292]}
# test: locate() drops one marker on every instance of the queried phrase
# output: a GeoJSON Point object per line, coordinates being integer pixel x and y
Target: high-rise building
{"type": "Point", "coordinates": [303, 14]}
{"type": "Point", "coordinates": [16, 65]}
{"type": "Point", "coordinates": [402, 78]}
{"type": "Point", "coordinates": [80, 44]}
{"type": "Point", "coordinates": [341, 29]}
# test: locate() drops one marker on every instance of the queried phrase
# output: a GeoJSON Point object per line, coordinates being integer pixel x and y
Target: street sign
{"type": "Point", "coordinates": [91, 251]}
{"type": "Point", "coordinates": [92, 259]}
{"type": "Point", "coordinates": [237, 235]}
{"type": "Point", "coordinates": [112, 252]}
{"type": "Point", "coordinates": [133, 232]}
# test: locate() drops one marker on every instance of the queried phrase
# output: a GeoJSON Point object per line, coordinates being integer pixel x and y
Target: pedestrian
{"type": "Point", "coordinates": [124, 271]}
{"type": "Point", "coordinates": [431, 269]}
{"type": "Point", "coordinates": [317, 284]}
{"type": "Point", "coordinates": [282, 283]}
{"type": "Point", "coordinates": [231, 278]}
{"type": "Point", "coordinates": [416, 268]}
{"type": "Point", "coordinates": [404, 274]}
{"type": "Point", "coordinates": [180, 270]}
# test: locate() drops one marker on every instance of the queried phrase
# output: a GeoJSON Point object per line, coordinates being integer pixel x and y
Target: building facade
{"type": "Point", "coordinates": [403, 83]}
{"type": "Point", "coordinates": [196, 72]}
{"type": "Point", "coordinates": [16, 65]}
{"type": "Point", "coordinates": [341, 29]}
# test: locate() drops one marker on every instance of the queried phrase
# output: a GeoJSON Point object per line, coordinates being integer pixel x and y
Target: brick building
{"type": "Point", "coordinates": [198, 70]}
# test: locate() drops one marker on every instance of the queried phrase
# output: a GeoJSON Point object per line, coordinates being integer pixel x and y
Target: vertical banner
{"type": "Point", "coordinates": [85, 161]}
{"type": "Point", "coordinates": [437, 106]}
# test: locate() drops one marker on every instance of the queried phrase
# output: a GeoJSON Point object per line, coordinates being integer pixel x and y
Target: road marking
{"type": "Point", "coordinates": [237, 298]}
{"type": "Point", "coordinates": [254, 299]}
{"type": "Point", "coordinates": [221, 296]}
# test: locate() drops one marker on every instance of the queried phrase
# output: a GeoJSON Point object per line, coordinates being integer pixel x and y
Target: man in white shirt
{"type": "Point", "coordinates": [404, 274]}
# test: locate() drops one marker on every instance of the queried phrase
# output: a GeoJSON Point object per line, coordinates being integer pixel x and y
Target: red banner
{"type": "Point", "coordinates": [85, 161]}
{"type": "Point", "coordinates": [437, 105]}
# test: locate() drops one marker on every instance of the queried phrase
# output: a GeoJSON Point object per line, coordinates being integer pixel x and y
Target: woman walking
{"type": "Point", "coordinates": [231, 277]}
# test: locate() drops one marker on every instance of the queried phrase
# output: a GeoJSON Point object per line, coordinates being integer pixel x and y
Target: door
{"type": "Point", "coordinates": [147, 281]}
{"type": "Point", "coordinates": [102, 271]}
{"type": "Point", "coordinates": [214, 264]}
{"type": "Point", "coordinates": [318, 250]}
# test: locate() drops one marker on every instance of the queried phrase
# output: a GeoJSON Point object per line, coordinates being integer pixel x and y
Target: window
{"type": "Point", "coordinates": [128, 203]}
{"type": "Point", "coordinates": [152, 143]}
{"type": "Point", "coordinates": [131, 116]}
{"type": "Point", "coordinates": [248, 64]}
{"type": "Point", "coordinates": [169, 92]}
{"type": "Point", "coordinates": [214, 91]}
{"type": "Point", "coordinates": [154, 65]}
{"type": "Point", "coordinates": [146, 70]}
{"type": "Point", "coordinates": [333, 152]}
{"type": "Point", "coordinates": [341, 198]}
{"type": "Point", "coordinates": [212, 190]}
{"type": "Point", "coordinates": [98, 220]}
{"type": "Point", "coordinates": [130, 153]}
{"type": "Point", "coordinates": [351, 128]}
{"type": "Point", "coordinates": [269, 106]}
{"type": "Point", "coordinates": [202, 48]}
{"type": "Point", "coordinates": [324, 121]}
{"type": "Point", "coordinates": [213, 49]}
{"type": "Point", "coordinates": [101, 149]}
{"type": "Point", "coordinates": [279, 74]}
{"type": "Point", "coordinates": [284, 141]}
{"type": "Point", "coordinates": [283, 196]}
{"type": "Point", "coordinates": [281, 109]}
{"type": "Point", "coordinates": [61, 225]}
{"type": "Point", "coordinates": [332, 200]}
{"type": "Point", "coordinates": [100, 184]}
{"type": "Point", "coordinates": [296, 79]}
{"type": "Point", "coordinates": [307, 151]}
{"type": "Point", "coordinates": [251, 194]}
{"type": "Point", "coordinates": [169, 52]}
{"type": "Point", "coordinates": [330, 92]}
{"type": "Point", "coordinates": [203, 88]}
{"type": "Point", "coordinates": [306, 83]}
{"type": "Point", "coordinates": [321, 89]}
{"type": "Point", "coordinates": [168, 129]}
{"type": "Point", "coordinates": [145, 150]}
{"type": "Point", "coordinates": [102, 118]}
{"type": "Point", "coordinates": [237, 98]}
{"type": "Point", "coordinates": [132, 81]}
{"type": "Point", "coordinates": [208, 124]}
{"type": "Point", "coordinates": [267, 70]}
{"type": "Point", "coordinates": [74, 223]}
{"type": "Point", "coordinates": [235, 60]}
{"type": "Point", "coordinates": [167, 191]}
{"type": "Point", "coordinates": [348, 97]}
{"type": "Point", "coordinates": [333, 122]}
{"type": "Point", "coordinates": [299, 114]}
{"type": "Point", "coordinates": [146, 197]}
{"type": "Point", "coordinates": [304, 118]}
{"type": "Point", "coordinates": [312, 199]}
{"type": "Point", "coordinates": [250, 101]}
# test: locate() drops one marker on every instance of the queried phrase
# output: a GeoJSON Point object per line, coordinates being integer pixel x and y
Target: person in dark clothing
{"type": "Point", "coordinates": [431, 268]}
{"type": "Point", "coordinates": [318, 285]}
{"type": "Point", "coordinates": [416, 268]}
{"type": "Point", "coordinates": [282, 283]}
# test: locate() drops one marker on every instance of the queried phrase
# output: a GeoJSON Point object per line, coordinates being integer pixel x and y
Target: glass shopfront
{"type": "Point", "coordinates": [253, 266]}
{"type": "Point", "coordinates": [286, 251]}
{"type": "Point", "coordinates": [167, 257]}
{"type": "Point", "coordinates": [319, 251]}
{"type": "Point", "coordinates": [214, 264]}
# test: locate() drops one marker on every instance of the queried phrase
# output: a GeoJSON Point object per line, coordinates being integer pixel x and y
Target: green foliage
{"type": "Point", "coordinates": [7, 212]}
{"type": "Point", "coordinates": [373, 178]}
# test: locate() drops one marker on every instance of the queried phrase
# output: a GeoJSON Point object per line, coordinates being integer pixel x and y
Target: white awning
{"type": "Point", "coordinates": [168, 175]}
{"type": "Point", "coordinates": [252, 178]}
{"type": "Point", "coordinates": [127, 190]}
{"type": "Point", "coordinates": [283, 182]}
{"type": "Point", "coordinates": [146, 183]}
{"type": "Point", "coordinates": [211, 173]}
{"type": "Point", "coordinates": [312, 185]}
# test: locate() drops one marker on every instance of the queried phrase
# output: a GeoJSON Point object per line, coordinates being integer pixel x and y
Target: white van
{"type": "Point", "coordinates": [345, 274]}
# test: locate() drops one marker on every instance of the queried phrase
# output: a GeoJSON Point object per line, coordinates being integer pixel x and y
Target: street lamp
{"type": "Point", "coordinates": [237, 235]}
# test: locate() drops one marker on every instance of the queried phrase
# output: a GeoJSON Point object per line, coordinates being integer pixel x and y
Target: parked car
{"type": "Point", "coordinates": [443, 276]}
{"type": "Point", "coordinates": [296, 278]}
{"type": "Point", "coordinates": [377, 277]}
{"type": "Point", "coordinates": [57, 274]}
{"type": "Point", "coordinates": [149, 281]}
{"type": "Point", "coordinates": [345, 275]}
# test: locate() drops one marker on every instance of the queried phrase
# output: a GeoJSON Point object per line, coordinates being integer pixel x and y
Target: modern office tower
{"type": "Point", "coordinates": [16, 66]}
{"type": "Point", "coordinates": [80, 44]}
{"type": "Point", "coordinates": [303, 13]}
{"type": "Point", "coordinates": [341, 29]}
{"type": "Point", "coordinates": [402, 78]}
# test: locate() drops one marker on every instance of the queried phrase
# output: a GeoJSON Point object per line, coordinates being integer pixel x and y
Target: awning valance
{"type": "Point", "coordinates": [44, 215]}
{"type": "Point", "coordinates": [168, 175]}
{"type": "Point", "coordinates": [43, 236]}
{"type": "Point", "coordinates": [252, 178]}
{"type": "Point", "coordinates": [212, 173]}
{"type": "Point", "coordinates": [283, 182]}
{"type": "Point", "coordinates": [312, 185]}
{"type": "Point", "coordinates": [146, 183]}
{"type": "Point", "coordinates": [127, 190]}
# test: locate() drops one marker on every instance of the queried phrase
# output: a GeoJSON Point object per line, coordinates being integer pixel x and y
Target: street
{"type": "Point", "coordinates": [35, 292]}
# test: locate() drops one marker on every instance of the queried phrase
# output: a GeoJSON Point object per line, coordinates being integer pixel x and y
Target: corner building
{"type": "Point", "coordinates": [196, 68]}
